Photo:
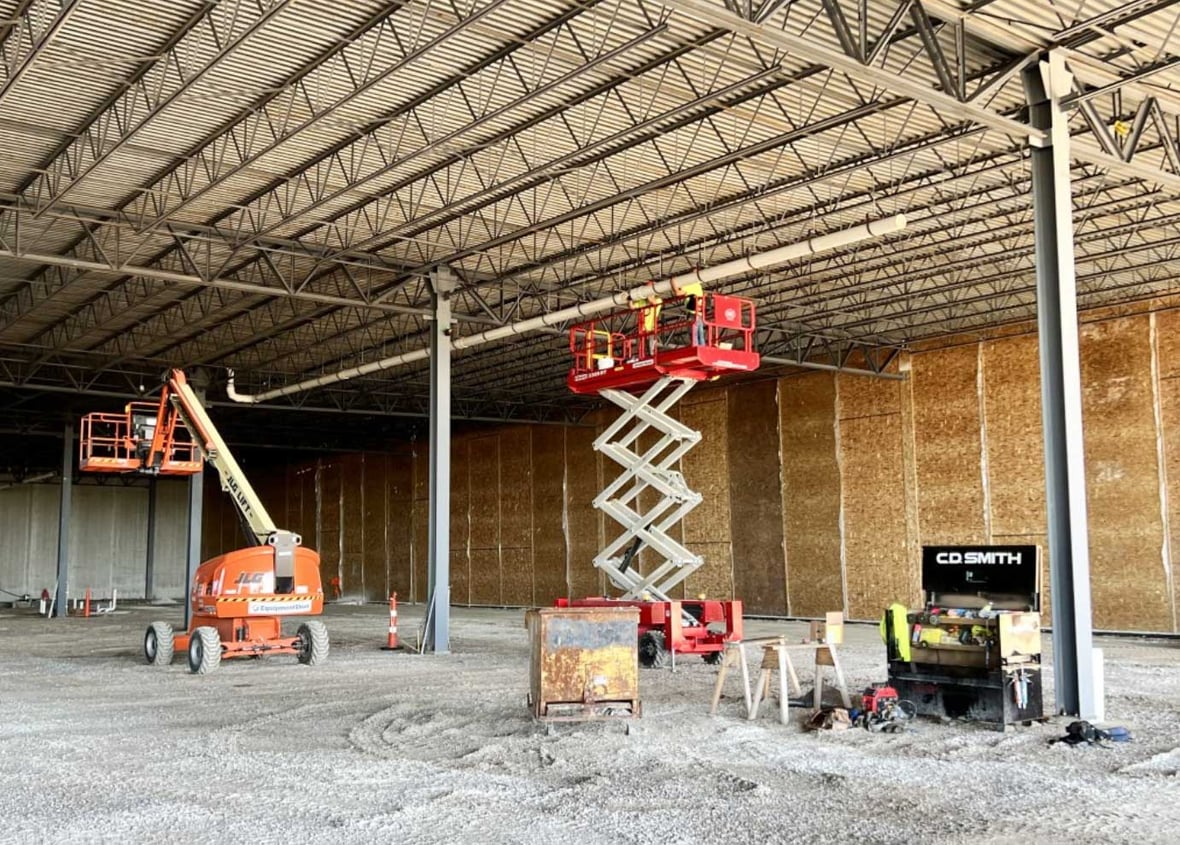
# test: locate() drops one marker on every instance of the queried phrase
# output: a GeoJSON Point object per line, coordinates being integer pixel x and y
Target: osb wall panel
{"type": "Point", "coordinates": [399, 524]}
{"type": "Point", "coordinates": [485, 576]}
{"type": "Point", "coordinates": [309, 504]}
{"type": "Point", "coordinates": [484, 492]}
{"type": "Point", "coordinates": [714, 579]}
{"type": "Point", "coordinates": [516, 577]}
{"type": "Point", "coordinates": [484, 516]}
{"type": "Point", "coordinates": [706, 470]}
{"type": "Point", "coordinates": [420, 520]}
{"type": "Point", "coordinates": [862, 396]}
{"type": "Point", "coordinates": [373, 527]}
{"type": "Point", "coordinates": [755, 498]}
{"type": "Point", "coordinates": [516, 515]}
{"type": "Point", "coordinates": [460, 520]}
{"type": "Point", "coordinates": [329, 521]}
{"type": "Point", "coordinates": [1123, 480]}
{"type": "Point", "coordinates": [1015, 457]}
{"type": "Point", "coordinates": [948, 449]}
{"type": "Point", "coordinates": [878, 565]}
{"type": "Point", "coordinates": [810, 494]}
{"type": "Point", "coordinates": [460, 576]}
{"type": "Point", "coordinates": [548, 540]}
{"type": "Point", "coordinates": [1167, 332]}
{"type": "Point", "coordinates": [516, 487]}
{"type": "Point", "coordinates": [352, 525]}
{"type": "Point", "coordinates": [582, 520]}
{"type": "Point", "coordinates": [1169, 390]}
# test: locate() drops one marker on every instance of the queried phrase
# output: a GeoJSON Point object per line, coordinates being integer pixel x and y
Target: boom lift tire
{"type": "Point", "coordinates": [653, 653]}
{"type": "Point", "coordinates": [157, 644]}
{"type": "Point", "coordinates": [204, 650]}
{"type": "Point", "coordinates": [313, 642]}
{"type": "Point", "coordinates": [711, 657]}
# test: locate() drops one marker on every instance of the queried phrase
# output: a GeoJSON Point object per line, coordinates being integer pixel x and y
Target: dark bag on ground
{"type": "Point", "coordinates": [1080, 732]}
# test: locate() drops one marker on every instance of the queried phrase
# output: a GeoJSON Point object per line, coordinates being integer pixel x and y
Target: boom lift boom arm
{"type": "Point", "coordinates": [257, 520]}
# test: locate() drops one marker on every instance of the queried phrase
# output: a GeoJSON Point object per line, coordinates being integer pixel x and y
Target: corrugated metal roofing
{"type": "Point", "coordinates": [550, 151]}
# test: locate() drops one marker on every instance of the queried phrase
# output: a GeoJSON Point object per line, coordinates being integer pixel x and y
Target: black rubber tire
{"type": "Point", "coordinates": [653, 654]}
{"type": "Point", "coordinates": [204, 651]}
{"type": "Point", "coordinates": [712, 657]}
{"type": "Point", "coordinates": [313, 642]}
{"type": "Point", "coordinates": [158, 644]}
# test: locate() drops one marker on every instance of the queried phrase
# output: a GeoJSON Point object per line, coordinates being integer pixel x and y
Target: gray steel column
{"type": "Point", "coordinates": [149, 574]}
{"type": "Point", "coordinates": [63, 524]}
{"type": "Point", "coordinates": [438, 590]}
{"type": "Point", "coordinates": [196, 489]}
{"type": "Point", "coordinates": [1061, 390]}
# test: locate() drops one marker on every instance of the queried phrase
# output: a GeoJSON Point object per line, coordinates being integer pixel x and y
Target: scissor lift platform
{"type": "Point", "coordinates": [646, 373]}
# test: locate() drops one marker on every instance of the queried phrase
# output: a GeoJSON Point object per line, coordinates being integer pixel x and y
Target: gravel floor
{"type": "Point", "coordinates": [397, 748]}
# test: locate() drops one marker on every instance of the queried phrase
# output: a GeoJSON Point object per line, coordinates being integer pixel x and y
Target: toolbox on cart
{"type": "Point", "coordinates": [974, 649]}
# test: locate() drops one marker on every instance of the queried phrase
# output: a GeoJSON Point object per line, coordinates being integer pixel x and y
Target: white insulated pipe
{"type": "Point", "coordinates": [737, 266]}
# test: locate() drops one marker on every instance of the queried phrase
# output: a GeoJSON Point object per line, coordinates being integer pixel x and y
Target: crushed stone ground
{"type": "Point", "coordinates": [95, 746]}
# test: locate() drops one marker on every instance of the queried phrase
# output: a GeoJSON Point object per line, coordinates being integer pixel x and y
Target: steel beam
{"type": "Point", "coordinates": [63, 523]}
{"type": "Point", "coordinates": [438, 587]}
{"type": "Point", "coordinates": [1061, 391]}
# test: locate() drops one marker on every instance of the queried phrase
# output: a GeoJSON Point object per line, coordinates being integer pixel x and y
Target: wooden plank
{"type": "Point", "coordinates": [878, 567]}
{"type": "Point", "coordinates": [1015, 456]}
{"type": "Point", "coordinates": [811, 494]}
{"type": "Point", "coordinates": [948, 446]}
{"type": "Point", "coordinates": [373, 524]}
{"type": "Point", "coordinates": [1127, 572]}
{"type": "Point", "coordinates": [548, 541]}
{"type": "Point", "coordinates": [755, 497]}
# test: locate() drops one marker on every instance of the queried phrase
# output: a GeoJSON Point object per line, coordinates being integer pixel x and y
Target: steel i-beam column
{"type": "Point", "coordinates": [149, 573]}
{"type": "Point", "coordinates": [1046, 83]}
{"type": "Point", "coordinates": [438, 590]}
{"type": "Point", "coordinates": [63, 525]}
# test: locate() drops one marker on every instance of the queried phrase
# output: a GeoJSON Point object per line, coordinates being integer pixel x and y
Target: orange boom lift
{"type": "Point", "coordinates": [238, 600]}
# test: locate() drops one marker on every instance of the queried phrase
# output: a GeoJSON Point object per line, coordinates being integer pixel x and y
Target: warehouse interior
{"type": "Point", "coordinates": [368, 232]}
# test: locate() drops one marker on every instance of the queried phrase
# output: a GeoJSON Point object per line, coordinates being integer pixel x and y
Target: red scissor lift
{"type": "Point", "coordinates": [644, 361]}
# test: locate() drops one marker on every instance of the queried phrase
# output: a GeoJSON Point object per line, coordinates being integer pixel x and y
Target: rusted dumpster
{"type": "Point", "coordinates": [583, 663]}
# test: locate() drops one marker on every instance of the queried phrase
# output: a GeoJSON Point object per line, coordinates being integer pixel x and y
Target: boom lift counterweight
{"type": "Point", "coordinates": [237, 599]}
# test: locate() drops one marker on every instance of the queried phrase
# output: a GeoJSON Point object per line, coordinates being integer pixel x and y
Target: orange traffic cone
{"type": "Point", "coordinates": [391, 644]}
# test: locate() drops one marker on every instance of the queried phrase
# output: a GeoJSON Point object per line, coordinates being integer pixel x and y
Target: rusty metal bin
{"type": "Point", "coordinates": [583, 662]}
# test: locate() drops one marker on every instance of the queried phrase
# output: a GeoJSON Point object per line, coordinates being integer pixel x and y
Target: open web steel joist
{"type": "Point", "coordinates": [264, 185]}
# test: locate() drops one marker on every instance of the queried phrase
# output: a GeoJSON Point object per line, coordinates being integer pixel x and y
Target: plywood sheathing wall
{"type": "Point", "coordinates": [550, 575]}
{"type": "Point", "coordinates": [755, 497]}
{"type": "Point", "coordinates": [878, 566]}
{"type": "Point", "coordinates": [1131, 590]}
{"type": "Point", "coordinates": [706, 529]}
{"type": "Point", "coordinates": [1167, 342]}
{"type": "Point", "coordinates": [870, 470]}
{"type": "Point", "coordinates": [582, 522]}
{"type": "Point", "coordinates": [1015, 457]}
{"type": "Point", "coordinates": [811, 494]}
